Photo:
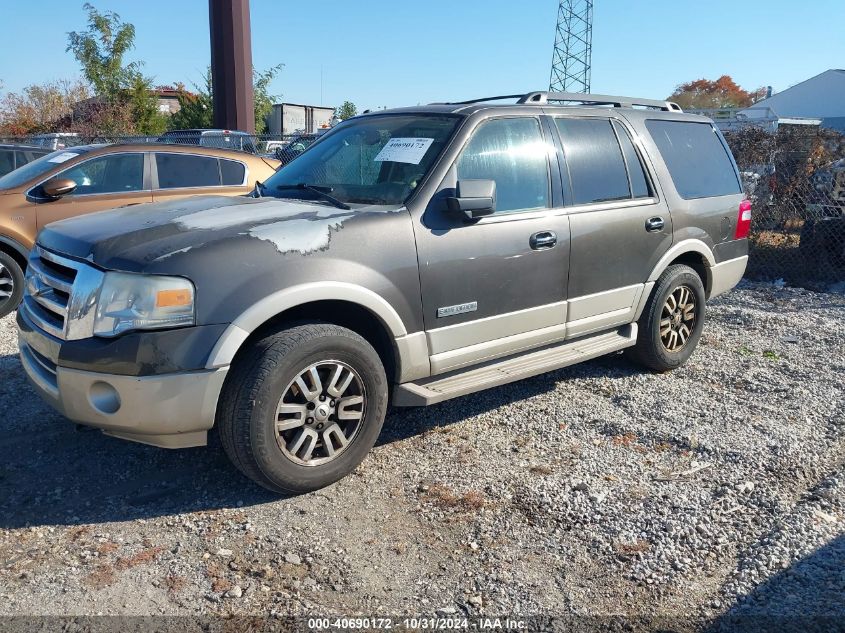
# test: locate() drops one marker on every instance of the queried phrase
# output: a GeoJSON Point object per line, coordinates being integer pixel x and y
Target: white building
{"type": "Point", "coordinates": [821, 97]}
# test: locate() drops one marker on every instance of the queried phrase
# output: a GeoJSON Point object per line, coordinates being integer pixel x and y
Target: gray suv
{"type": "Point", "coordinates": [408, 256]}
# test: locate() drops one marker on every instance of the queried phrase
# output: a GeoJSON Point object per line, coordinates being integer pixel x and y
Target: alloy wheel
{"type": "Point", "coordinates": [7, 284]}
{"type": "Point", "coordinates": [320, 413]}
{"type": "Point", "coordinates": [677, 320]}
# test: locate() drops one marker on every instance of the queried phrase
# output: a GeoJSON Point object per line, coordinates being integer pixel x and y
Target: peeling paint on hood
{"type": "Point", "coordinates": [133, 238]}
{"type": "Point", "coordinates": [302, 235]}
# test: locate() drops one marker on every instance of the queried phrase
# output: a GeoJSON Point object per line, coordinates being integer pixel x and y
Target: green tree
{"type": "Point", "coordinates": [263, 99]}
{"type": "Point", "coordinates": [196, 108]}
{"type": "Point", "coordinates": [100, 50]}
{"type": "Point", "coordinates": [346, 111]}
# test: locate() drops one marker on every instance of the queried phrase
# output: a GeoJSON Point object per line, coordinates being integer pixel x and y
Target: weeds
{"type": "Point", "coordinates": [443, 496]}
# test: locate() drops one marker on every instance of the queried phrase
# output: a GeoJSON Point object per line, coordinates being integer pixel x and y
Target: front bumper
{"type": "Point", "coordinates": [173, 410]}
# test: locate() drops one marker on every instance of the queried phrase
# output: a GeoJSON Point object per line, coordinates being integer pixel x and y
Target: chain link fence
{"type": "Point", "coordinates": [281, 147]}
{"type": "Point", "coordinates": [795, 178]}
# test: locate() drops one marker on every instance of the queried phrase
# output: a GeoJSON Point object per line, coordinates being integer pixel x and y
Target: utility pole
{"type": "Point", "coordinates": [573, 47]}
{"type": "Point", "coordinates": [231, 65]}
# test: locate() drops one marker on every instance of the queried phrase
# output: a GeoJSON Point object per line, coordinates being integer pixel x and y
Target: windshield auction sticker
{"type": "Point", "coordinates": [60, 158]}
{"type": "Point", "coordinates": [404, 150]}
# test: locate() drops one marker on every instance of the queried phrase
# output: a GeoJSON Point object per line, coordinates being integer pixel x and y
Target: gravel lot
{"type": "Point", "coordinates": [599, 489]}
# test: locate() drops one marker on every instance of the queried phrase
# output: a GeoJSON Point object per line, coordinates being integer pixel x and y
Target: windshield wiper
{"type": "Point", "coordinates": [322, 192]}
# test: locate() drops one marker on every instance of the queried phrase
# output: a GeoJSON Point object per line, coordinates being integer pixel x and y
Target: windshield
{"type": "Point", "coordinates": [372, 160]}
{"type": "Point", "coordinates": [42, 165]}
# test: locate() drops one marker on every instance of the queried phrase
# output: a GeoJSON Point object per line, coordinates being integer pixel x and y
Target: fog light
{"type": "Point", "coordinates": [104, 398]}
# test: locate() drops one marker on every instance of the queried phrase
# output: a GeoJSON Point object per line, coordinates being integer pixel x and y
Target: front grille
{"type": "Point", "coordinates": [49, 286]}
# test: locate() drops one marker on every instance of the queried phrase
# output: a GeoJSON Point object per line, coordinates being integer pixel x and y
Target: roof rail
{"type": "Point", "coordinates": [593, 99]}
{"type": "Point", "coordinates": [541, 98]}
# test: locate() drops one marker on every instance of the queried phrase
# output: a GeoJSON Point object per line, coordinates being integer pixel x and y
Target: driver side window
{"type": "Point", "coordinates": [116, 173]}
{"type": "Point", "coordinates": [513, 153]}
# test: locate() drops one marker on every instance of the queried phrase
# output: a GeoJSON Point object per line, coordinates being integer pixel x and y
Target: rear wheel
{"type": "Point", "coordinates": [303, 407]}
{"type": "Point", "coordinates": [11, 284]}
{"type": "Point", "coordinates": [672, 321]}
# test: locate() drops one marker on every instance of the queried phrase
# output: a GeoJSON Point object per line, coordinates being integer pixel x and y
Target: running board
{"type": "Point", "coordinates": [502, 371]}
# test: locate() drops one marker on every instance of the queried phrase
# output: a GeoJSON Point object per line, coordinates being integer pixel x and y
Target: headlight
{"type": "Point", "coordinates": [143, 302]}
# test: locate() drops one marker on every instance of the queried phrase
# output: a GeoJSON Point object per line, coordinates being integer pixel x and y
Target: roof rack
{"type": "Point", "coordinates": [541, 98]}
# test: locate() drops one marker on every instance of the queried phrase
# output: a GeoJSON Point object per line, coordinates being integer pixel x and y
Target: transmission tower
{"type": "Point", "coordinates": [573, 47]}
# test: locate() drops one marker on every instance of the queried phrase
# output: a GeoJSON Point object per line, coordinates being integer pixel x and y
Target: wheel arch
{"type": "Point", "coordinates": [693, 253]}
{"type": "Point", "coordinates": [15, 250]}
{"type": "Point", "coordinates": [357, 308]}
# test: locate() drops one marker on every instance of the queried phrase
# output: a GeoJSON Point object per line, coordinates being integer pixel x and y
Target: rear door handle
{"type": "Point", "coordinates": [652, 225]}
{"type": "Point", "coordinates": [542, 240]}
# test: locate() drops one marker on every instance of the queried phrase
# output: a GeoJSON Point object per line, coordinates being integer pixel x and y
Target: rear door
{"type": "Point", "coordinates": [102, 182]}
{"type": "Point", "coordinates": [177, 175]}
{"type": "Point", "coordinates": [490, 287]}
{"type": "Point", "coordinates": [620, 225]}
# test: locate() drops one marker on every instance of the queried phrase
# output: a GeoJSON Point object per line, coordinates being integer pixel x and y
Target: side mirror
{"type": "Point", "coordinates": [473, 199]}
{"type": "Point", "coordinates": [58, 187]}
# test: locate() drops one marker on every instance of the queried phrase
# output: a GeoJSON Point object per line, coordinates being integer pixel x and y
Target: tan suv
{"type": "Point", "coordinates": [88, 178]}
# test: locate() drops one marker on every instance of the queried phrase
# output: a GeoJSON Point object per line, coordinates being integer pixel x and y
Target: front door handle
{"type": "Point", "coordinates": [652, 225]}
{"type": "Point", "coordinates": [542, 240]}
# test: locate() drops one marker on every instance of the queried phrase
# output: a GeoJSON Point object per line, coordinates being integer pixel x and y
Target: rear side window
{"type": "Point", "coordinates": [596, 167]}
{"type": "Point", "coordinates": [697, 159]}
{"type": "Point", "coordinates": [183, 170]}
{"type": "Point", "coordinates": [639, 183]}
{"type": "Point", "coordinates": [232, 172]}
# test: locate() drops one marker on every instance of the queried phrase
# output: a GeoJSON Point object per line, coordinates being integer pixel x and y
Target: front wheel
{"type": "Point", "coordinates": [302, 408]}
{"type": "Point", "coordinates": [11, 284]}
{"type": "Point", "coordinates": [672, 321]}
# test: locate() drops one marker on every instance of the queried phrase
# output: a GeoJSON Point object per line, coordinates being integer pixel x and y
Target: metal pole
{"type": "Point", "coordinates": [231, 65]}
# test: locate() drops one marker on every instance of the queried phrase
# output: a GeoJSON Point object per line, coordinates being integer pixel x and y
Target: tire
{"type": "Point", "coordinates": [11, 284]}
{"type": "Point", "coordinates": [267, 376]}
{"type": "Point", "coordinates": [652, 350]}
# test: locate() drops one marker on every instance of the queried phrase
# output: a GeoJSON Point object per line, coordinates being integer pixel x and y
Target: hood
{"type": "Point", "coordinates": [152, 237]}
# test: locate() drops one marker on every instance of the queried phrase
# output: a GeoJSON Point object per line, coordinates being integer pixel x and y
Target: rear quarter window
{"type": "Point", "coordinates": [696, 157]}
{"type": "Point", "coordinates": [232, 172]}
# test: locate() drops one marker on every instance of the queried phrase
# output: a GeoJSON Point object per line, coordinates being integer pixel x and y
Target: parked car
{"type": "Point", "coordinates": [424, 253]}
{"type": "Point", "coordinates": [822, 242]}
{"type": "Point", "coordinates": [13, 156]}
{"type": "Point", "coordinates": [293, 148]}
{"type": "Point", "coordinates": [222, 139]}
{"type": "Point", "coordinates": [54, 140]}
{"type": "Point", "coordinates": [89, 178]}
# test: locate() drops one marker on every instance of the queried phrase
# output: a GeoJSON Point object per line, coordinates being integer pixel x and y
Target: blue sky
{"type": "Point", "coordinates": [393, 52]}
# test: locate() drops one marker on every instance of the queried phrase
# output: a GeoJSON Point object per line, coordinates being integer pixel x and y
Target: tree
{"type": "Point", "coordinates": [100, 50]}
{"type": "Point", "coordinates": [39, 107]}
{"type": "Point", "coordinates": [346, 111]}
{"type": "Point", "coordinates": [196, 109]}
{"type": "Point", "coordinates": [263, 99]}
{"type": "Point", "coordinates": [721, 93]}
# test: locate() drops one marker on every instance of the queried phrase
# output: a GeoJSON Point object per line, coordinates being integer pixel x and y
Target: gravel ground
{"type": "Point", "coordinates": [712, 491]}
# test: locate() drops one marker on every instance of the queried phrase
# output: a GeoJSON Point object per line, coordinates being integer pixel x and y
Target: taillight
{"type": "Point", "coordinates": [743, 221]}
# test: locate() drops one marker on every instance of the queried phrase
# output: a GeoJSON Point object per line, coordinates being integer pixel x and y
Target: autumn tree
{"type": "Point", "coordinates": [721, 93]}
{"type": "Point", "coordinates": [39, 107]}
